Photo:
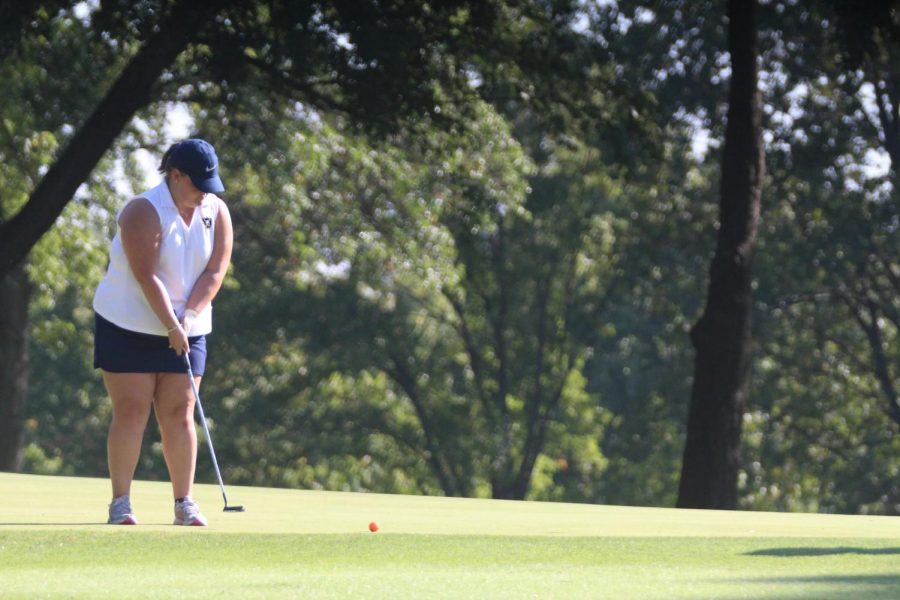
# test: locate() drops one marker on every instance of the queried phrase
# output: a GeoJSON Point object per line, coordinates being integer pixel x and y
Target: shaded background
{"type": "Point", "coordinates": [472, 240]}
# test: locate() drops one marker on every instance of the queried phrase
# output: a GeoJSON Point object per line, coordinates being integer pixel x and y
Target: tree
{"type": "Point", "coordinates": [375, 61]}
{"type": "Point", "coordinates": [35, 120]}
{"type": "Point", "coordinates": [20, 230]}
{"type": "Point", "coordinates": [456, 305]}
{"type": "Point", "coordinates": [131, 91]}
{"type": "Point", "coordinates": [722, 336]}
{"type": "Point", "coordinates": [869, 44]}
{"type": "Point", "coordinates": [821, 434]}
{"type": "Point", "coordinates": [15, 292]}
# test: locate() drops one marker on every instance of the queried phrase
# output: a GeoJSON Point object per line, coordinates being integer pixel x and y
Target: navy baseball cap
{"type": "Point", "coordinates": [197, 159]}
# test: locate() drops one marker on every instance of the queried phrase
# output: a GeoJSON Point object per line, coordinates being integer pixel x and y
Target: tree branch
{"type": "Point", "coordinates": [133, 90]}
{"type": "Point", "coordinates": [307, 88]}
{"type": "Point", "coordinates": [881, 364]}
{"type": "Point", "coordinates": [475, 359]}
{"type": "Point", "coordinates": [400, 374]}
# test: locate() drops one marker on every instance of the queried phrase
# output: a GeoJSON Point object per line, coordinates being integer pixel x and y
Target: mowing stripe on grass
{"type": "Point", "coordinates": [92, 564]}
{"type": "Point", "coordinates": [308, 544]}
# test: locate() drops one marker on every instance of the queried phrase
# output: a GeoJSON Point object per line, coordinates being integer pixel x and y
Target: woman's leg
{"type": "Point", "coordinates": [132, 396]}
{"type": "Point", "coordinates": [174, 405]}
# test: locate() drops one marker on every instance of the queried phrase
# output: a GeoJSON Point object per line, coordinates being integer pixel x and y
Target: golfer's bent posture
{"type": "Point", "coordinates": [167, 263]}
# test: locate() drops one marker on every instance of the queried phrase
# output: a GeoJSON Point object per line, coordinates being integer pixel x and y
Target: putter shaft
{"type": "Point", "coordinates": [212, 451]}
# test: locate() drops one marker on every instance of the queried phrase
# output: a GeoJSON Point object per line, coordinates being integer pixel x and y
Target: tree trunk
{"type": "Point", "coordinates": [131, 91]}
{"type": "Point", "coordinates": [722, 336]}
{"type": "Point", "coordinates": [15, 290]}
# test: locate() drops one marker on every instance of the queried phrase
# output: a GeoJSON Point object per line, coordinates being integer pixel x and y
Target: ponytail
{"type": "Point", "coordinates": [164, 166]}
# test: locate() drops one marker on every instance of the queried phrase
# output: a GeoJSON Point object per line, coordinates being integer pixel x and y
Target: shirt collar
{"type": "Point", "coordinates": [168, 200]}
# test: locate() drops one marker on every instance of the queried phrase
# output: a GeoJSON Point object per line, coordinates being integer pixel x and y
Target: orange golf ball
{"type": "Point", "coordinates": [373, 526]}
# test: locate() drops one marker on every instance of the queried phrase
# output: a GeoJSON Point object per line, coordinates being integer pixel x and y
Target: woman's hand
{"type": "Point", "coordinates": [187, 321]}
{"type": "Point", "coordinates": [178, 340]}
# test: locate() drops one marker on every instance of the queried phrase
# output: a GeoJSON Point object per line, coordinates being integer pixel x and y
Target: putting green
{"type": "Point", "coordinates": [310, 544]}
{"type": "Point", "coordinates": [67, 501]}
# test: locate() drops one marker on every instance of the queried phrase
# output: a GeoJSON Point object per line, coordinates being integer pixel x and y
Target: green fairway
{"type": "Point", "coordinates": [303, 544]}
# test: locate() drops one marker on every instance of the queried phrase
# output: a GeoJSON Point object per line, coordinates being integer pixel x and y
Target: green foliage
{"type": "Point", "coordinates": [489, 299]}
{"type": "Point", "coordinates": [823, 433]}
{"type": "Point", "coordinates": [820, 434]}
{"type": "Point", "coordinates": [50, 84]}
{"type": "Point", "coordinates": [380, 264]}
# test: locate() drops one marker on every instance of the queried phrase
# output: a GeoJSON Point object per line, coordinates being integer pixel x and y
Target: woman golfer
{"type": "Point", "coordinates": [167, 263]}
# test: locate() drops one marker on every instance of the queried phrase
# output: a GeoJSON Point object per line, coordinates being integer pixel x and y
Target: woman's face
{"type": "Point", "coordinates": [183, 189]}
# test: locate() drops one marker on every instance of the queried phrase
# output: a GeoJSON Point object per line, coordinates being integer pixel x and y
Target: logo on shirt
{"type": "Point", "coordinates": [208, 222]}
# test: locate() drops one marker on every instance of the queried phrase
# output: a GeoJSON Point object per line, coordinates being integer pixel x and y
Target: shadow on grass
{"type": "Point", "coordinates": [883, 580]}
{"type": "Point", "coordinates": [22, 524]}
{"type": "Point", "coordinates": [858, 587]}
{"type": "Point", "coordinates": [791, 552]}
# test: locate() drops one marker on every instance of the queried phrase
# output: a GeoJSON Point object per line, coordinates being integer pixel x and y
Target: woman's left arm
{"type": "Point", "coordinates": [209, 282]}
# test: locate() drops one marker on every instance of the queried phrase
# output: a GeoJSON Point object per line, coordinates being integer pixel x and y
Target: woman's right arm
{"type": "Point", "coordinates": [141, 234]}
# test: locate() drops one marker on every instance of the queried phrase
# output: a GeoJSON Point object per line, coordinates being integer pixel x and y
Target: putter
{"type": "Point", "coordinates": [212, 452]}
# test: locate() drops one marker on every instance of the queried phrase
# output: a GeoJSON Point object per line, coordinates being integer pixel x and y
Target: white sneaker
{"type": "Point", "coordinates": [120, 512]}
{"type": "Point", "coordinates": [188, 513]}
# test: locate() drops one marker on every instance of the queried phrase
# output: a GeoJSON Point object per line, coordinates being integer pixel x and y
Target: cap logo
{"type": "Point", "coordinates": [212, 168]}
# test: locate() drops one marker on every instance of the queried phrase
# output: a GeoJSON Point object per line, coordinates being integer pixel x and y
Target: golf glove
{"type": "Point", "coordinates": [187, 321]}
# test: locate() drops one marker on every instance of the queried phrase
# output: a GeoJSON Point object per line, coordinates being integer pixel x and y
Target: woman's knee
{"type": "Point", "coordinates": [131, 395]}
{"type": "Point", "coordinates": [131, 414]}
{"type": "Point", "coordinates": [178, 416]}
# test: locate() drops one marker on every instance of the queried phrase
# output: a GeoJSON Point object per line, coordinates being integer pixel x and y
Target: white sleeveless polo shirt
{"type": "Point", "coordinates": [184, 252]}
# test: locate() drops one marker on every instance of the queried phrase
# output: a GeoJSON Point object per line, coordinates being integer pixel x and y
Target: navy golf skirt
{"type": "Point", "coordinates": [119, 350]}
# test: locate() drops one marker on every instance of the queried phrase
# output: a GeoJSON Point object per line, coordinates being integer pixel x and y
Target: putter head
{"type": "Point", "coordinates": [233, 509]}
